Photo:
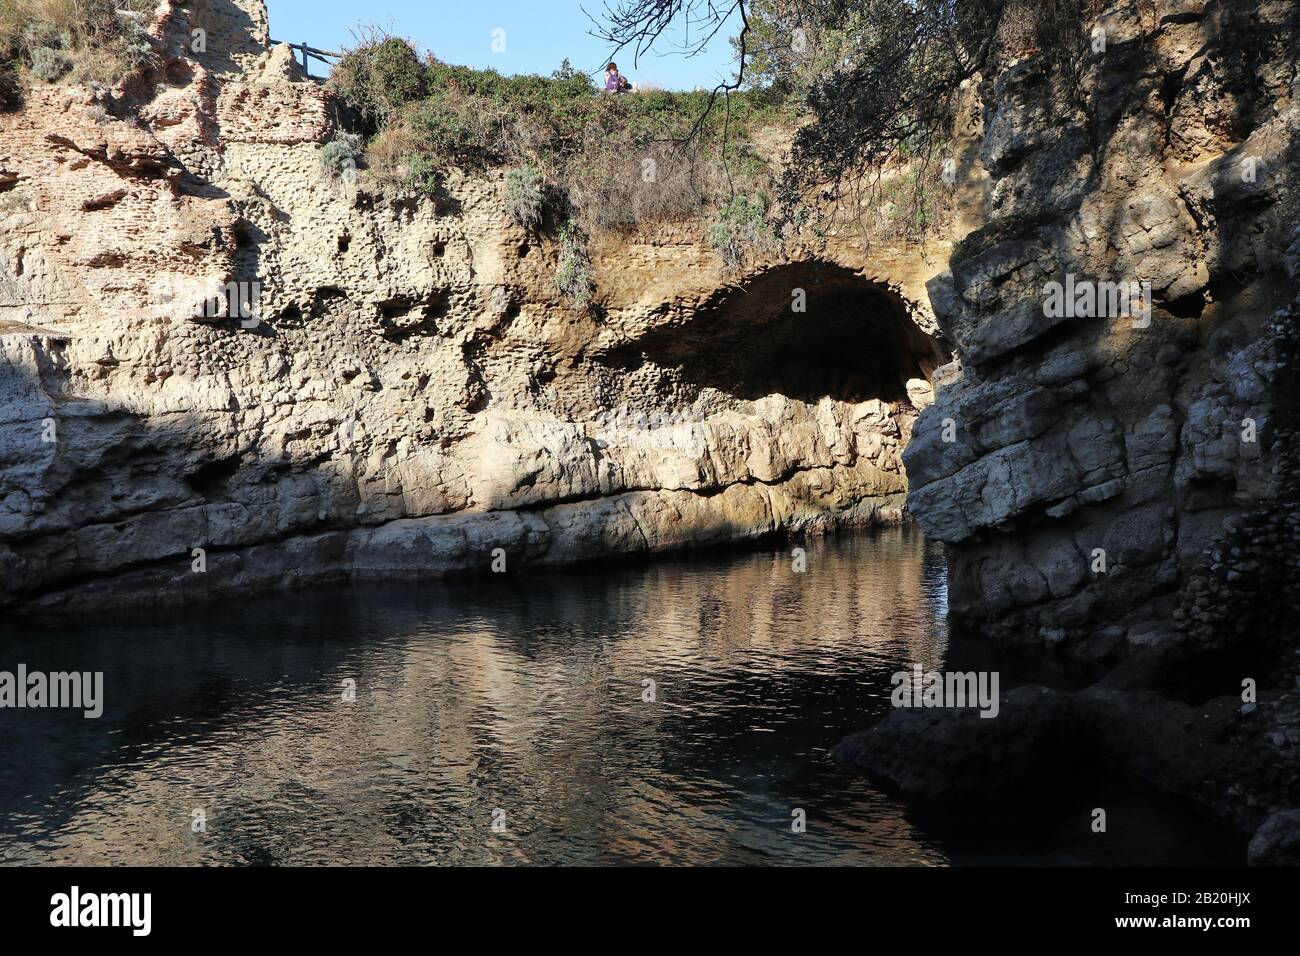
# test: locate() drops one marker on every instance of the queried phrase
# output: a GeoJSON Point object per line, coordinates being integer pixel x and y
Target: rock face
{"type": "Point", "coordinates": [1115, 475]}
{"type": "Point", "coordinates": [1277, 842]}
{"type": "Point", "coordinates": [955, 757]}
{"type": "Point", "coordinates": [1110, 469]}
{"type": "Point", "coordinates": [1051, 743]}
{"type": "Point", "coordinates": [385, 384]}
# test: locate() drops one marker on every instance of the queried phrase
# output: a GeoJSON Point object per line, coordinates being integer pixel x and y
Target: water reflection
{"type": "Point", "coordinates": [520, 696]}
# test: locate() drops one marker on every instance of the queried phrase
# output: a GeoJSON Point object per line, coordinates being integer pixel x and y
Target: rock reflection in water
{"type": "Point", "coordinates": [520, 694]}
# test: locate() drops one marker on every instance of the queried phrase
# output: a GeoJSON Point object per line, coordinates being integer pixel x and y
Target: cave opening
{"type": "Point", "coordinates": [805, 330]}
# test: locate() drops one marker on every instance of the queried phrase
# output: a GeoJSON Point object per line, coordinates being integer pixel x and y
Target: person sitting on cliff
{"type": "Point", "coordinates": [614, 81]}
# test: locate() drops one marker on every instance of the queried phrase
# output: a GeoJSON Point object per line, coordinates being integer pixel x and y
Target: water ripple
{"type": "Point", "coordinates": [520, 702]}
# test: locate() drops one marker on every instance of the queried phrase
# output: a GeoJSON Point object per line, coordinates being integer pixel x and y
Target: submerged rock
{"type": "Point", "coordinates": [953, 756]}
{"type": "Point", "coordinates": [1277, 842]}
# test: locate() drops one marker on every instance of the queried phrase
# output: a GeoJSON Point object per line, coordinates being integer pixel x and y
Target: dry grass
{"type": "Point", "coordinates": [99, 39]}
{"type": "Point", "coordinates": [626, 189]}
{"type": "Point", "coordinates": [388, 154]}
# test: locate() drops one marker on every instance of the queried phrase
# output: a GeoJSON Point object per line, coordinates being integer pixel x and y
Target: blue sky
{"type": "Point", "coordinates": [539, 34]}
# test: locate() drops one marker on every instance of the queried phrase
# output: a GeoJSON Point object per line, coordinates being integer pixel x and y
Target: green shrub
{"type": "Point", "coordinates": [742, 231]}
{"type": "Point", "coordinates": [573, 273]}
{"type": "Point", "coordinates": [423, 175]}
{"type": "Point", "coordinates": [455, 130]}
{"type": "Point", "coordinates": [525, 199]}
{"type": "Point", "coordinates": [339, 156]}
{"type": "Point", "coordinates": [49, 64]}
{"type": "Point", "coordinates": [378, 77]}
{"type": "Point", "coordinates": [589, 149]}
{"type": "Point", "coordinates": [138, 48]}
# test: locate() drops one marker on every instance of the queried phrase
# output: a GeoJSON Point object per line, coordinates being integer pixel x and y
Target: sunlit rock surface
{"type": "Point", "coordinates": [413, 393]}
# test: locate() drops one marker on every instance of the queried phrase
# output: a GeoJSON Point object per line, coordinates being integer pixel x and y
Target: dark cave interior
{"type": "Point", "coordinates": [852, 341]}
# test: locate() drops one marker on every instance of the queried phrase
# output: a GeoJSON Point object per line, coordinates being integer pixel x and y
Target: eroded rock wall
{"type": "Point", "coordinates": [412, 392]}
{"type": "Point", "coordinates": [1116, 483]}
{"type": "Point", "coordinates": [1094, 473]}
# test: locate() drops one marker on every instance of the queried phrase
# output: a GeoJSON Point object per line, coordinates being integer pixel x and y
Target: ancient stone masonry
{"type": "Point", "coordinates": [389, 385]}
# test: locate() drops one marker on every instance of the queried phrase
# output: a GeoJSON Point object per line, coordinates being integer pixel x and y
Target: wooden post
{"type": "Point", "coordinates": [306, 66]}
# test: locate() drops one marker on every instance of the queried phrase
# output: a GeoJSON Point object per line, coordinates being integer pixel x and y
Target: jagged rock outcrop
{"type": "Point", "coordinates": [412, 393]}
{"type": "Point", "coordinates": [1117, 486]}
{"type": "Point", "coordinates": [1067, 431]}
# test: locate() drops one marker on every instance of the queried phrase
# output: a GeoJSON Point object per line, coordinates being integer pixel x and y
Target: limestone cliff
{"type": "Point", "coordinates": [406, 392]}
{"type": "Point", "coordinates": [1098, 471]}
{"type": "Point", "coordinates": [1116, 480]}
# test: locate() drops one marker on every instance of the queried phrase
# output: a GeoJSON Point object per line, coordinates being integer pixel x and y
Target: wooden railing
{"type": "Point", "coordinates": [312, 52]}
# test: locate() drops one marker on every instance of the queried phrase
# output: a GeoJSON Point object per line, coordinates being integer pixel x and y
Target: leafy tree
{"type": "Point", "coordinates": [894, 98]}
{"type": "Point", "coordinates": [791, 43]}
{"type": "Point", "coordinates": [879, 79]}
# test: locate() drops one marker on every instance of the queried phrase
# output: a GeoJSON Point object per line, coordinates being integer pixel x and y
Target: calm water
{"type": "Point", "coordinates": [521, 695]}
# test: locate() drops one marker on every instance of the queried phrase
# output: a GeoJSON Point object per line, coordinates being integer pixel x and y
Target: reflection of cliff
{"type": "Point", "coordinates": [472, 696]}
{"type": "Point", "coordinates": [412, 368]}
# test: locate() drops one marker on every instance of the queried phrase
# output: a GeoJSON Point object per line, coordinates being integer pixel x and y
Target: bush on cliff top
{"type": "Point", "coordinates": [742, 232]}
{"type": "Point", "coordinates": [379, 77]}
{"type": "Point", "coordinates": [573, 274]}
{"type": "Point", "coordinates": [338, 157]}
{"type": "Point", "coordinates": [525, 198]}
{"type": "Point", "coordinates": [612, 157]}
{"type": "Point", "coordinates": [49, 64]}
